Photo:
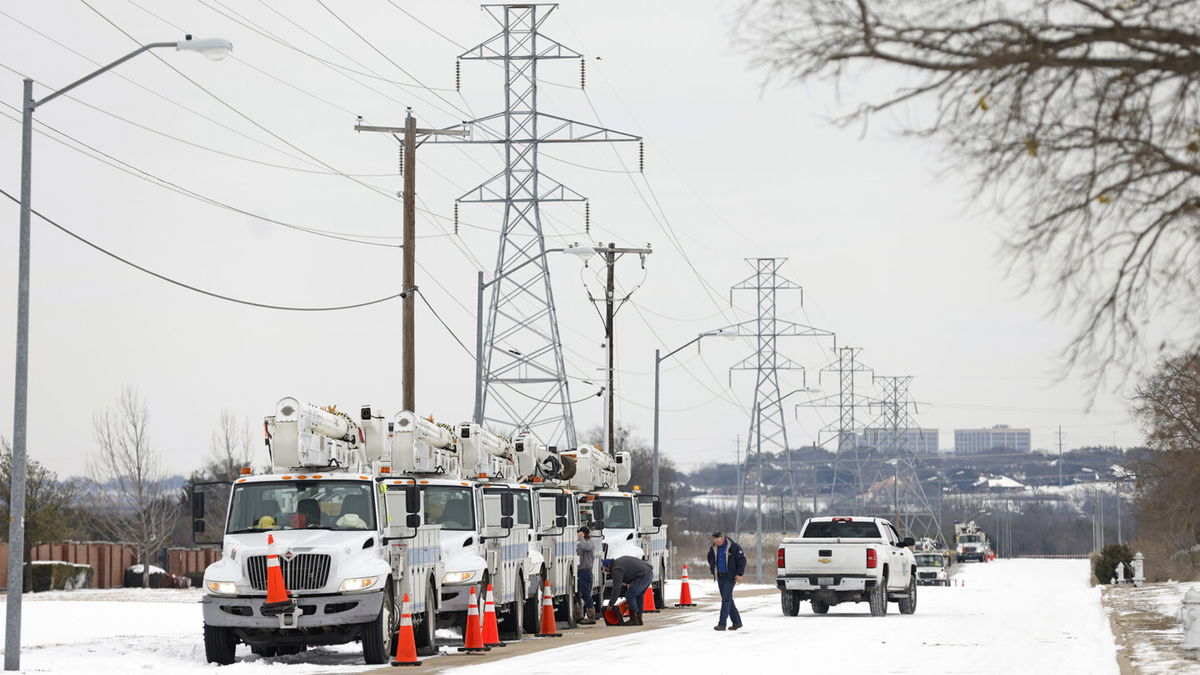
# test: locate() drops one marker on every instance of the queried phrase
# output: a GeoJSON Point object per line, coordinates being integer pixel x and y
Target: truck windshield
{"type": "Point", "coordinates": [970, 539]}
{"type": "Point", "coordinates": [301, 505]}
{"type": "Point", "coordinates": [614, 511]}
{"type": "Point", "coordinates": [451, 507]}
{"type": "Point", "coordinates": [863, 529]}
{"type": "Point", "coordinates": [930, 560]}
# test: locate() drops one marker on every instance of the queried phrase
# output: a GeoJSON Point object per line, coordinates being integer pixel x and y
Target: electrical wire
{"type": "Point", "coordinates": [195, 289]}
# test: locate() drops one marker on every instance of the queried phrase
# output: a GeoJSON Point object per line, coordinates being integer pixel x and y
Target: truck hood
{"type": "Point", "coordinates": [621, 544]}
{"type": "Point", "coordinates": [460, 557]}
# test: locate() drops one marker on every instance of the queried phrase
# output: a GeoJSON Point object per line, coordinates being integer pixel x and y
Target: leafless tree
{"type": "Point", "coordinates": [230, 447]}
{"type": "Point", "coordinates": [1081, 116]}
{"type": "Point", "coordinates": [132, 503]}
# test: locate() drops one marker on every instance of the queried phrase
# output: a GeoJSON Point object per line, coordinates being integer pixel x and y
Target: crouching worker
{"type": "Point", "coordinates": [727, 563]}
{"type": "Point", "coordinates": [639, 575]}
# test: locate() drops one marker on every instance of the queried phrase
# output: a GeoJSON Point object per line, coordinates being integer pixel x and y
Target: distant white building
{"type": "Point", "coordinates": [999, 438]}
{"type": "Point", "coordinates": [920, 441]}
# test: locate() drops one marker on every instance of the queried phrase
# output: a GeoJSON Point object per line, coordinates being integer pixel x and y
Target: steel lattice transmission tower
{"type": "Point", "coordinates": [843, 430]}
{"type": "Point", "coordinates": [910, 508]}
{"type": "Point", "coordinates": [768, 432]}
{"type": "Point", "coordinates": [523, 375]}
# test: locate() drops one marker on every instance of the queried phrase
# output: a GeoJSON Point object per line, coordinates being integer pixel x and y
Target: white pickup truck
{"type": "Point", "coordinates": [836, 560]}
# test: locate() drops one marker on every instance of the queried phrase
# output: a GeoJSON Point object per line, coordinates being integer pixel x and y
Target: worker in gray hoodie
{"type": "Point", "coordinates": [585, 548]}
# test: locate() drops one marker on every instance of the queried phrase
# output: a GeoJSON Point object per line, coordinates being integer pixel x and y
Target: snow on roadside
{"type": "Point", "coordinates": [1026, 616]}
{"type": "Point", "coordinates": [1148, 622]}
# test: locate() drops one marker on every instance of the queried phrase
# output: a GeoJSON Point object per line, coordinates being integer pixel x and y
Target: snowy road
{"type": "Point", "coordinates": [1026, 616]}
{"type": "Point", "coordinates": [1012, 616]}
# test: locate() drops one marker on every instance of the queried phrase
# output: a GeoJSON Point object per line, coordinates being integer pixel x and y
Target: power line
{"type": "Point", "coordinates": [211, 294]}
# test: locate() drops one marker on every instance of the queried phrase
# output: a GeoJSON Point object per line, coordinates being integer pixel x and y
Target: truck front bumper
{"type": "Point", "coordinates": [318, 611]}
{"type": "Point", "coordinates": [843, 582]}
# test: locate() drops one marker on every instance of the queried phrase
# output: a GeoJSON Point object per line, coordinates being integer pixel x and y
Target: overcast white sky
{"type": "Point", "coordinates": [893, 255]}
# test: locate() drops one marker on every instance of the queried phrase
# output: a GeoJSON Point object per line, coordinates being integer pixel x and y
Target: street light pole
{"type": "Point", "coordinates": [213, 48]}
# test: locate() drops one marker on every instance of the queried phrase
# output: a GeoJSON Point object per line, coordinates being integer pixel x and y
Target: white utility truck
{"type": "Point", "coordinates": [842, 559]}
{"type": "Point", "coordinates": [467, 478]}
{"type": "Point", "coordinates": [970, 542]}
{"type": "Point", "coordinates": [348, 536]}
{"type": "Point", "coordinates": [628, 523]}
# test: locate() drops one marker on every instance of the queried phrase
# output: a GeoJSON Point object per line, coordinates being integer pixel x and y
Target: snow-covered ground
{"type": "Point", "coordinates": [1149, 619]}
{"type": "Point", "coordinates": [1012, 616]}
{"type": "Point", "coordinates": [1028, 616]}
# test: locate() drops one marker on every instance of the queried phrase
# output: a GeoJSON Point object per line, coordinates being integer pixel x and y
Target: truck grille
{"type": "Point", "coordinates": [927, 575]}
{"type": "Point", "coordinates": [304, 572]}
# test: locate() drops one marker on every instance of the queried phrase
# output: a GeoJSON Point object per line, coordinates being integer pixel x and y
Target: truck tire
{"type": "Point", "coordinates": [565, 611]}
{"type": "Point", "coordinates": [426, 626]}
{"type": "Point", "coordinates": [819, 606]}
{"type": "Point", "coordinates": [377, 633]}
{"type": "Point", "coordinates": [532, 610]}
{"type": "Point", "coordinates": [660, 595]}
{"type": "Point", "coordinates": [789, 602]}
{"type": "Point", "coordinates": [909, 605]}
{"type": "Point", "coordinates": [510, 623]}
{"type": "Point", "coordinates": [219, 644]}
{"type": "Point", "coordinates": [877, 598]}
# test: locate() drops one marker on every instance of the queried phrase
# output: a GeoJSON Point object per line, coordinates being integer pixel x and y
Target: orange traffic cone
{"type": "Point", "coordinates": [549, 628]}
{"type": "Point", "coordinates": [473, 635]}
{"type": "Point", "coordinates": [648, 601]}
{"type": "Point", "coordinates": [278, 601]}
{"type": "Point", "coordinates": [491, 629]}
{"type": "Point", "coordinates": [685, 592]}
{"type": "Point", "coordinates": [406, 644]}
{"type": "Point", "coordinates": [612, 615]}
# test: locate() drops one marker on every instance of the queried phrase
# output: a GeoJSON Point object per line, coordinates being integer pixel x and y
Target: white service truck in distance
{"type": "Point", "coordinates": [932, 569]}
{"type": "Point", "coordinates": [843, 559]}
{"type": "Point", "coordinates": [970, 542]}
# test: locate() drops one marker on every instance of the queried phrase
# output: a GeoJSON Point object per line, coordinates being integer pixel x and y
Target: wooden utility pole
{"type": "Point", "coordinates": [611, 253]}
{"type": "Point", "coordinates": [409, 167]}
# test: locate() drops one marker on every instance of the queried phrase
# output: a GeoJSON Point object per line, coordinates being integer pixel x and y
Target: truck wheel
{"type": "Point", "coordinates": [377, 634]}
{"type": "Point", "coordinates": [423, 636]}
{"type": "Point", "coordinates": [878, 598]}
{"type": "Point", "coordinates": [790, 603]}
{"type": "Point", "coordinates": [909, 605]}
{"type": "Point", "coordinates": [532, 610]}
{"type": "Point", "coordinates": [565, 611]}
{"type": "Point", "coordinates": [510, 624]}
{"type": "Point", "coordinates": [660, 596]}
{"type": "Point", "coordinates": [820, 606]}
{"type": "Point", "coordinates": [219, 644]}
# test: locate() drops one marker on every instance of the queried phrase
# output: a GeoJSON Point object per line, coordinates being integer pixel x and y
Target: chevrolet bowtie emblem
{"type": "Point", "coordinates": [824, 560]}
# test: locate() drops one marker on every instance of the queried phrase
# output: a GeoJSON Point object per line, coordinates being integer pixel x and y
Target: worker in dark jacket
{"type": "Point", "coordinates": [727, 563]}
{"type": "Point", "coordinates": [638, 574]}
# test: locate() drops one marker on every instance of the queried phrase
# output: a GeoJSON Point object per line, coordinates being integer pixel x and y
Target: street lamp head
{"type": "Point", "coordinates": [730, 335]}
{"type": "Point", "coordinates": [214, 49]}
{"type": "Point", "coordinates": [580, 251]}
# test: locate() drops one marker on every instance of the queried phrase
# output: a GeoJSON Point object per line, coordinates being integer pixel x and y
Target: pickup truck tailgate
{"type": "Point", "coordinates": [824, 557]}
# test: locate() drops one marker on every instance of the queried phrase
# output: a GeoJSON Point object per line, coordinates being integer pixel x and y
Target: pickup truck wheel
{"type": "Point", "coordinates": [377, 634]}
{"type": "Point", "coordinates": [878, 598]}
{"type": "Point", "coordinates": [909, 605]}
{"type": "Point", "coordinates": [789, 602]}
{"type": "Point", "coordinates": [423, 637]}
{"type": "Point", "coordinates": [820, 606]}
{"type": "Point", "coordinates": [219, 644]}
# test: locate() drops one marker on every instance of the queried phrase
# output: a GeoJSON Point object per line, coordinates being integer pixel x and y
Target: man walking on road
{"type": "Point", "coordinates": [727, 563]}
{"type": "Point", "coordinates": [635, 572]}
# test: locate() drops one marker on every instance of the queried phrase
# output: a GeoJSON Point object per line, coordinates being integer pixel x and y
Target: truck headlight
{"type": "Point", "coordinates": [221, 587]}
{"type": "Point", "coordinates": [459, 577]}
{"type": "Point", "coordinates": [357, 584]}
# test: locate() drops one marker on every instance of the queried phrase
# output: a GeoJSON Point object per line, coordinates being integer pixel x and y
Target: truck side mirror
{"type": "Point", "coordinates": [907, 542]}
{"type": "Point", "coordinates": [198, 508]}
{"type": "Point", "coordinates": [413, 520]}
{"type": "Point", "coordinates": [560, 521]}
{"type": "Point", "coordinates": [198, 526]}
{"type": "Point", "coordinates": [657, 522]}
{"type": "Point", "coordinates": [597, 524]}
{"type": "Point", "coordinates": [657, 510]}
{"type": "Point", "coordinates": [506, 522]}
{"type": "Point", "coordinates": [412, 499]}
{"type": "Point", "coordinates": [208, 525]}
{"type": "Point", "coordinates": [561, 504]}
{"type": "Point", "coordinates": [507, 506]}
